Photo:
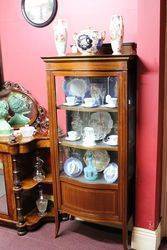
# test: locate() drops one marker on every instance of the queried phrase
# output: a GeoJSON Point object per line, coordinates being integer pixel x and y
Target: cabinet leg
{"type": "Point", "coordinates": [125, 237]}
{"type": "Point", "coordinates": [57, 227]}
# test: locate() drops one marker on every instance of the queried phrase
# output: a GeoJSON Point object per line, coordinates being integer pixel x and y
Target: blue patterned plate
{"type": "Point", "coordinates": [79, 87]}
{"type": "Point", "coordinates": [73, 167]}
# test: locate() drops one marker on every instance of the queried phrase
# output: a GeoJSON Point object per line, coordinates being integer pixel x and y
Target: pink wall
{"type": "Point", "coordinates": [23, 45]}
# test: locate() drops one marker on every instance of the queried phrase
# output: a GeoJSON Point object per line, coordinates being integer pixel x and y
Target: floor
{"type": "Point", "coordinates": [74, 235]}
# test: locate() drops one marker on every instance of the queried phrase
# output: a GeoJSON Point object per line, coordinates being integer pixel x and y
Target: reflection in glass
{"type": "Point", "coordinates": [3, 201]}
{"type": "Point", "coordinates": [39, 11]}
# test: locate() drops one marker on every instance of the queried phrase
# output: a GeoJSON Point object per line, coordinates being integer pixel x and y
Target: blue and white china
{"type": "Point", "coordinates": [78, 87]}
{"type": "Point", "coordinates": [73, 167]}
{"type": "Point", "coordinates": [111, 173]}
{"type": "Point", "coordinates": [100, 159]}
{"type": "Point", "coordinates": [88, 41]}
{"type": "Point", "coordinates": [90, 171]}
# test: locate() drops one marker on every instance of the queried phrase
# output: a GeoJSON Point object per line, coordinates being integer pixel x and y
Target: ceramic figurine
{"type": "Point", "coordinates": [90, 171]}
{"type": "Point", "coordinates": [5, 128]}
{"type": "Point", "coordinates": [88, 41]}
{"type": "Point", "coordinates": [60, 36]}
{"type": "Point", "coordinates": [116, 33]}
{"type": "Point", "coordinates": [19, 105]}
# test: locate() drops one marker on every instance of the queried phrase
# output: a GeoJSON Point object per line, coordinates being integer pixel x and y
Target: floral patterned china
{"type": "Point", "coordinates": [111, 173]}
{"type": "Point", "coordinates": [100, 159]}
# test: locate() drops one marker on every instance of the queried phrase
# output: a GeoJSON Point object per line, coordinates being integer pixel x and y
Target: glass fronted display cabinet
{"type": "Point", "coordinates": [92, 99]}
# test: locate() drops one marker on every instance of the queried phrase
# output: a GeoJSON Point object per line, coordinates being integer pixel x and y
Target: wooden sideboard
{"type": "Point", "coordinates": [18, 190]}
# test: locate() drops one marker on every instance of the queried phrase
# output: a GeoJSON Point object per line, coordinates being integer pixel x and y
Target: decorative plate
{"type": "Point", "coordinates": [100, 160]}
{"type": "Point", "coordinates": [79, 87]}
{"type": "Point", "coordinates": [111, 173]}
{"type": "Point", "coordinates": [73, 167]}
{"type": "Point", "coordinates": [102, 124]}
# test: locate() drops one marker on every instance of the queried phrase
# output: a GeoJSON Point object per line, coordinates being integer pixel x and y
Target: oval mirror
{"type": "Point", "coordinates": [39, 13]}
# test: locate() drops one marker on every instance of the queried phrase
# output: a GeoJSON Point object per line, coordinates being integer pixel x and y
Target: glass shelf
{"type": "Point", "coordinates": [79, 144]}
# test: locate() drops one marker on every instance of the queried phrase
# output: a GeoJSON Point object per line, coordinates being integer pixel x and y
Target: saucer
{"type": "Point", "coordinates": [108, 105]}
{"type": "Point", "coordinates": [69, 139]}
{"type": "Point", "coordinates": [109, 143]}
{"type": "Point", "coordinates": [89, 106]}
{"type": "Point", "coordinates": [74, 104]}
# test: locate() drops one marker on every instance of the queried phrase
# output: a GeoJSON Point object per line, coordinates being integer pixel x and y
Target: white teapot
{"type": "Point", "coordinates": [88, 41]}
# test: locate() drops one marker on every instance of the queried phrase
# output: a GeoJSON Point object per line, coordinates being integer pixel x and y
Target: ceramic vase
{"type": "Point", "coordinates": [60, 36]}
{"type": "Point", "coordinates": [116, 33]}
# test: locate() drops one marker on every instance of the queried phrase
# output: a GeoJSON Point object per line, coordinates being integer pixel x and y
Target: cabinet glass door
{"type": "Point", "coordinates": [87, 111]}
{"type": "Point", "coordinates": [3, 200]}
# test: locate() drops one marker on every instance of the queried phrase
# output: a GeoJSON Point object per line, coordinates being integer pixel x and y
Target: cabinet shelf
{"type": "Point", "coordinates": [84, 109]}
{"type": "Point", "coordinates": [30, 183]}
{"type": "Point", "coordinates": [33, 219]}
{"type": "Point", "coordinates": [79, 144]}
{"type": "Point", "coordinates": [81, 181]}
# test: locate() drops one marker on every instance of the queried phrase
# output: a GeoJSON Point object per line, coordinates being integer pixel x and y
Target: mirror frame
{"type": "Point", "coordinates": [40, 25]}
{"type": "Point", "coordinates": [40, 118]}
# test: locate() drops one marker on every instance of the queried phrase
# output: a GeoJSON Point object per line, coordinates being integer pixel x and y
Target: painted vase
{"type": "Point", "coordinates": [60, 36]}
{"type": "Point", "coordinates": [89, 41]}
{"type": "Point", "coordinates": [90, 171]}
{"type": "Point", "coordinates": [116, 33]}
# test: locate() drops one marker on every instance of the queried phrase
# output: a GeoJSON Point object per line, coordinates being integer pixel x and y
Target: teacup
{"type": "Point", "coordinates": [71, 100]}
{"type": "Point", "coordinates": [112, 101]}
{"type": "Point", "coordinates": [27, 131]}
{"type": "Point", "coordinates": [89, 101]}
{"type": "Point", "coordinates": [112, 140]}
{"type": "Point", "coordinates": [72, 135]}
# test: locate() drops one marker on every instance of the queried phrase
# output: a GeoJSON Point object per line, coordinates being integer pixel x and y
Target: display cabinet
{"type": "Point", "coordinates": [92, 98]}
{"type": "Point", "coordinates": [18, 160]}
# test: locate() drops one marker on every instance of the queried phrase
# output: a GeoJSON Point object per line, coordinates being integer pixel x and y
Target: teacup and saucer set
{"type": "Point", "coordinates": [72, 136]}
{"type": "Point", "coordinates": [89, 102]}
{"type": "Point", "coordinates": [111, 102]}
{"type": "Point", "coordinates": [71, 101]}
{"type": "Point", "coordinates": [111, 140]}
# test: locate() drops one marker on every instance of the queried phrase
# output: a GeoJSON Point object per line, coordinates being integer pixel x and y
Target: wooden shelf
{"type": "Point", "coordinates": [81, 181]}
{"type": "Point", "coordinates": [30, 183]}
{"type": "Point", "coordinates": [79, 144]}
{"type": "Point", "coordinates": [84, 109]}
{"type": "Point", "coordinates": [32, 219]}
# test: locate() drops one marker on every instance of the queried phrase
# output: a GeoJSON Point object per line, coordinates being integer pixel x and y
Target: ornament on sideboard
{"type": "Point", "coordinates": [89, 41]}
{"type": "Point", "coordinates": [60, 36]}
{"type": "Point", "coordinates": [116, 33]}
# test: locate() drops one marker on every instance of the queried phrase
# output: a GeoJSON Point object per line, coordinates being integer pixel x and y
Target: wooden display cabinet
{"type": "Point", "coordinates": [96, 201]}
{"type": "Point", "coordinates": [18, 190]}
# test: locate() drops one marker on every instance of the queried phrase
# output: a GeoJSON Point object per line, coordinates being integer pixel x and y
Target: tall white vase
{"type": "Point", "coordinates": [60, 36]}
{"type": "Point", "coordinates": [116, 33]}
